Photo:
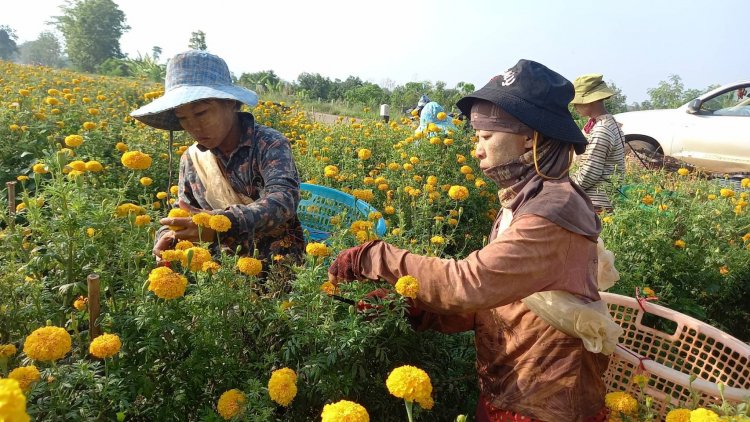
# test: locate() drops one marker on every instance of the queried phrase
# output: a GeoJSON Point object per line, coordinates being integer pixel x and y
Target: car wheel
{"type": "Point", "coordinates": [644, 153]}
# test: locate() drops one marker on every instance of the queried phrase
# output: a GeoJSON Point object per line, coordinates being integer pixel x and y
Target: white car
{"type": "Point", "coordinates": [711, 132]}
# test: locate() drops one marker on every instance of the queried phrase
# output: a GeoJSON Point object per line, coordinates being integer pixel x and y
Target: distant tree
{"type": "Point", "coordinates": [465, 88]}
{"type": "Point", "coordinates": [618, 102]}
{"type": "Point", "coordinates": [262, 81]}
{"type": "Point", "coordinates": [198, 41]}
{"type": "Point", "coordinates": [92, 31]}
{"type": "Point", "coordinates": [672, 94]}
{"type": "Point", "coordinates": [339, 87]}
{"type": "Point", "coordinates": [45, 50]}
{"type": "Point", "coordinates": [314, 85]}
{"type": "Point", "coordinates": [368, 94]}
{"type": "Point", "coordinates": [156, 52]}
{"type": "Point", "coordinates": [8, 45]}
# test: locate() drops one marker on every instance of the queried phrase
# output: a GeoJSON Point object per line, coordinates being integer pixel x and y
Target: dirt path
{"type": "Point", "coordinates": [325, 118]}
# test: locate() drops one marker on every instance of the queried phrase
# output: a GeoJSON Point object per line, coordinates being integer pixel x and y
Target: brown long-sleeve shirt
{"type": "Point", "coordinates": [524, 364]}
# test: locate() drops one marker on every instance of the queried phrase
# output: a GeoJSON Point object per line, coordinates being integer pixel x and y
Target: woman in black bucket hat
{"type": "Point", "coordinates": [535, 361]}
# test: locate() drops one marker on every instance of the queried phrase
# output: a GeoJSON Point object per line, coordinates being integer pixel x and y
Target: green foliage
{"type": "Point", "coordinates": [92, 31]}
{"type": "Point", "coordinates": [45, 50]}
{"type": "Point", "coordinates": [198, 41]}
{"type": "Point", "coordinates": [8, 45]}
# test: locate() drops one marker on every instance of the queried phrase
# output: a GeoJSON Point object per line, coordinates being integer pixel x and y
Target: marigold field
{"type": "Point", "coordinates": [207, 340]}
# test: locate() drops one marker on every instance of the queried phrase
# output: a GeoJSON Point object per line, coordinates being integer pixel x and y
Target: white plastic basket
{"type": "Point", "coordinates": [669, 359]}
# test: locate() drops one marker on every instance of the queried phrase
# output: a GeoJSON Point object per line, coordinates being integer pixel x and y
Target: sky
{"type": "Point", "coordinates": [635, 44]}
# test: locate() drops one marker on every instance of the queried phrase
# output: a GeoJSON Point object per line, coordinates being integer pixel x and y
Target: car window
{"type": "Point", "coordinates": [730, 103]}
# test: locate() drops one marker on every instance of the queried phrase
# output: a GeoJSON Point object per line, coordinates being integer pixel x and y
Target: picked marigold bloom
{"type": "Point", "coordinates": [407, 286]}
{"type": "Point", "coordinates": [458, 193]}
{"type": "Point", "coordinates": [220, 223]}
{"type": "Point", "coordinates": [166, 284]}
{"type": "Point", "coordinates": [25, 375]}
{"type": "Point", "coordinates": [177, 213]}
{"type": "Point", "coordinates": [73, 140]}
{"type": "Point", "coordinates": [409, 383]}
{"type": "Point", "coordinates": [317, 249]}
{"type": "Point", "coordinates": [80, 303]}
{"type": "Point", "coordinates": [282, 386]}
{"type": "Point", "coordinates": [328, 288]}
{"type": "Point", "coordinates": [136, 160]}
{"type": "Point", "coordinates": [345, 410]}
{"type": "Point", "coordinates": [47, 344]}
{"type": "Point", "coordinates": [249, 266]}
{"type": "Point", "coordinates": [105, 346]}
{"type": "Point", "coordinates": [231, 404]}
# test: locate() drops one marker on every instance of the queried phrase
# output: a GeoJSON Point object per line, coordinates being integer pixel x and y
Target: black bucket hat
{"type": "Point", "coordinates": [535, 95]}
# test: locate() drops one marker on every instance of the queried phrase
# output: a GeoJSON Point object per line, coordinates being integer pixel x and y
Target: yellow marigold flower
{"type": "Point", "coordinates": [640, 379]}
{"type": "Point", "coordinates": [663, 207]}
{"type": "Point", "coordinates": [173, 255]}
{"type": "Point", "coordinates": [146, 181]}
{"type": "Point", "coordinates": [282, 386]}
{"type": "Point", "coordinates": [649, 292]}
{"type": "Point", "coordinates": [437, 240]}
{"type": "Point", "coordinates": [166, 284]}
{"type": "Point", "coordinates": [7, 350]}
{"type": "Point", "coordinates": [25, 375]}
{"type": "Point", "coordinates": [47, 344]}
{"type": "Point", "coordinates": [197, 256]}
{"type": "Point", "coordinates": [724, 270]}
{"type": "Point", "coordinates": [39, 168]}
{"type": "Point", "coordinates": [77, 165]}
{"type": "Point", "coordinates": [746, 237]}
{"type": "Point", "coordinates": [619, 402]}
{"type": "Point", "coordinates": [328, 288]}
{"type": "Point", "coordinates": [121, 146]}
{"type": "Point", "coordinates": [210, 267]}
{"type": "Point", "coordinates": [745, 183]}
{"type": "Point", "coordinates": [409, 383]}
{"type": "Point", "coordinates": [345, 410]}
{"type": "Point", "coordinates": [231, 404]}
{"type": "Point", "coordinates": [105, 346]}
{"type": "Point", "coordinates": [711, 197]}
{"type": "Point", "coordinates": [407, 286]}
{"type": "Point", "coordinates": [441, 115]}
{"type": "Point", "coordinates": [703, 415]}
{"type": "Point", "coordinates": [73, 140]}
{"type": "Point", "coordinates": [177, 213]}
{"type": "Point", "coordinates": [12, 401]}
{"type": "Point", "coordinates": [127, 208]}
{"type": "Point", "coordinates": [142, 220]}
{"type": "Point", "coordinates": [90, 232]}
{"type": "Point", "coordinates": [678, 415]}
{"type": "Point", "coordinates": [683, 171]}
{"type": "Point", "coordinates": [220, 223]}
{"type": "Point", "coordinates": [136, 160]}
{"type": "Point", "coordinates": [680, 243]}
{"type": "Point", "coordinates": [24, 92]}
{"type": "Point", "coordinates": [389, 210]}
{"type": "Point", "coordinates": [249, 266]}
{"type": "Point", "coordinates": [364, 154]}
{"type": "Point", "coordinates": [331, 171]}
{"type": "Point", "coordinates": [458, 193]}
{"type": "Point", "coordinates": [466, 170]}
{"type": "Point", "coordinates": [648, 199]}
{"type": "Point", "coordinates": [161, 195]}
{"type": "Point", "coordinates": [363, 194]}
{"type": "Point", "coordinates": [94, 166]}
{"type": "Point", "coordinates": [89, 125]}
{"type": "Point", "coordinates": [183, 245]}
{"type": "Point", "coordinates": [726, 193]}
{"type": "Point", "coordinates": [317, 249]}
{"type": "Point", "coordinates": [20, 207]}
{"type": "Point", "coordinates": [80, 303]}
{"type": "Point", "coordinates": [202, 219]}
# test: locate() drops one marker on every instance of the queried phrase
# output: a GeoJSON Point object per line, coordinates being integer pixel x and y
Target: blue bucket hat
{"type": "Point", "coordinates": [535, 95]}
{"type": "Point", "coordinates": [192, 76]}
{"type": "Point", "coordinates": [423, 100]}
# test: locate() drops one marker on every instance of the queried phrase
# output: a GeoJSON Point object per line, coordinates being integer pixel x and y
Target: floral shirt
{"type": "Point", "coordinates": [262, 168]}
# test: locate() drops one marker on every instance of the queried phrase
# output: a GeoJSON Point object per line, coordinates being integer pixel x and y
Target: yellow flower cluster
{"type": "Point", "coordinates": [12, 401]}
{"type": "Point", "coordinates": [317, 249]}
{"type": "Point", "coordinates": [620, 402]}
{"type": "Point", "coordinates": [136, 160]}
{"type": "Point", "coordinates": [231, 404]}
{"type": "Point", "coordinates": [344, 410]}
{"type": "Point", "coordinates": [458, 193]}
{"type": "Point", "coordinates": [249, 266]}
{"type": "Point", "coordinates": [166, 284]}
{"type": "Point", "coordinates": [7, 351]}
{"type": "Point", "coordinates": [411, 384]}
{"type": "Point", "coordinates": [25, 375]}
{"type": "Point", "coordinates": [105, 346]}
{"type": "Point", "coordinates": [282, 387]}
{"type": "Point", "coordinates": [407, 286]}
{"type": "Point", "coordinates": [47, 344]}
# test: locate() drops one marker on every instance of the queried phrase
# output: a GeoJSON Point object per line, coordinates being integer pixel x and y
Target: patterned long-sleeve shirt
{"type": "Point", "coordinates": [603, 162]}
{"type": "Point", "coordinates": [262, 168]}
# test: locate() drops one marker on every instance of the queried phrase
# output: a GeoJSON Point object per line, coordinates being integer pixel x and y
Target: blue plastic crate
{"type": "Point", "coordinates": [320, 203]}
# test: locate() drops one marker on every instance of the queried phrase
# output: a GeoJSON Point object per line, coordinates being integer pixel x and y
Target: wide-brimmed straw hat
{"type": "Point", "coordinates": [590, 88]}
{"type": "Point", "coordinates": [192, 76]}
{"type": "Point", "coordinates": [535, 95]}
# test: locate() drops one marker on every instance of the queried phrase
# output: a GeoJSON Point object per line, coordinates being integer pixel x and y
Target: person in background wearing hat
{"type": "Point", "coordinates": [543, 240]}
{"type": "Point", "coordinates": [236, 167]}
{"type": "Point", "coordinates": [603, 162]}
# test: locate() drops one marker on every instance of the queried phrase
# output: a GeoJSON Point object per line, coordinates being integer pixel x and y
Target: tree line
{"type": "Point", "coordinates": [91, 30]}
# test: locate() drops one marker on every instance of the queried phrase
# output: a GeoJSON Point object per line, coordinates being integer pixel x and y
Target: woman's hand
{"type": "Point", "coordinates": [189, 231]}
{"type": "Point", "coordinates": [343, 267]}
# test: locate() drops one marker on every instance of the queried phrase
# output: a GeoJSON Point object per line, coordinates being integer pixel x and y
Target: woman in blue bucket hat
{"type": "Point", "coordinates": [542, 333]}
{"type": "Point", "coordinates": [236, 167]}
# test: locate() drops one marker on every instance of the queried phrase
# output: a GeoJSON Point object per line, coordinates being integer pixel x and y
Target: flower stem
{"type": "Point", "coordinates": [409, 406]}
